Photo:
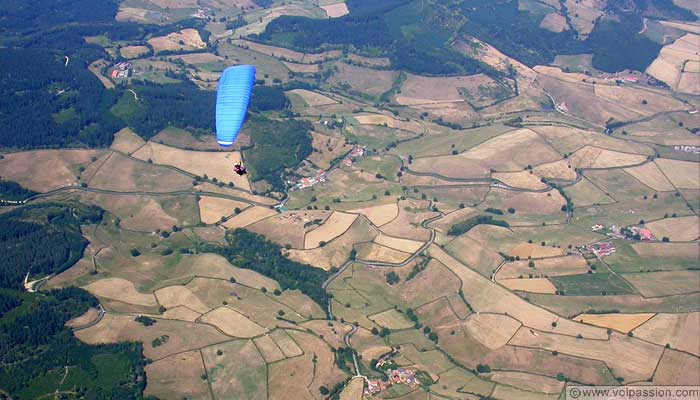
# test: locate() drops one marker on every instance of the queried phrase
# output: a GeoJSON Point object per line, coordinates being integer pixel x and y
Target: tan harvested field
{"type": "Point", "coordinates": [526, 250]}
{"type": "Point", "coordinates": [186, 39]}
{"type": "Point", "coordinates": [289, 379]}
{"type": "Point", "coordinates": [249, 216]}
{"type": "Point", "coordinates": [177, 376]}
{"type": "Point", "coordinates": [332, 332]}
{"type": "Point", "coordinates": [133, 51]}
{"type": "Point", "coordinates": [96, 68]}
{"type": "Point", "coordinates": [120, 173]}
{"type": "Point", "coordinates": [334, 226]}
{"type": "Point", "coordinates": [529, 382]}
{"type": "Point", "coordinates": [676, 229]}
{"type": "Point", "coordinates": [532, 285]}
{"type": "Point", "coordinates": [683, 174]}
{"type": "Point", "coordinates": [633, 359]}
{"type": "Point", "coordinates": [45, 170]}
{"type": "Point", "coordinates": [374, 252]}
{"type": "Point", "coordinates": [269, 349]}
{"type": "Point", "coordinates": [521, 179]}
{"type": "Point", "coordinates": [183, 139]}
{"type": "Point", "coordinates": [619, 322]}
{"type": "Point", "coordinates": [669, 65]}
{"type": "Point", "coordinates": [327, 148]}
{"type": "Point", "coordinates": [418, 90]}
{"type": "Point", "coordinates": [379, 215]}
{"type": "Point", "coordinates": [665, 283]}
{"type": "Point", "coordinates": [197, 58]}
{"type": "Point", "coordinates": [182, 336]}
{"type": "Point", "coordinates": [236, 370]}
{"type": "Point", "coordinates": [478, 257]}
{"type": "Point", "coordinates": [381, 119]}
{"type": "Point", "coordinates": [679, 330]}
{"type": "Point", "coordinates": [178, 295]}
{"type": "Point", "coordinates": [594, 157]}
{"type": "Point", "coordinates": [554, 22]}
{"type": "Point", "coordinates": [289, 227]}
{"type": "Point", "coordinates": [87, 318]}
{"type": "Point", "coordinates": [484, 296]}
{"type": "Point", "coordinates": [336, 10]}
{"type": "Point", "coordinates": [232, 323]}
{"type": "Point", "coordinates": [407, 223]}
{"type": "Point", "coordinates": [492, 330]}
{"type": "Point", "coordinates": [301, 68]}
{"type": "Point", "coordinates": [213, 164]}
{"type": "Point", "coordinates": [370, 81]}
{"type": "Point", "coordinates": [392, 319]}
{"type": "Point", "coordinates": [353, 391]}
{"type": "Point", "coordinates": [181, 313]}
{"type": "Point", "coordinates": [211, 209]}
{"type": "Point", "coordinates": [278, 52]}
{"type": "Point", "coordinates": [288, 346]}
{"type": "Point", "coordinates": [133, 14]}
{"type": "Point", "coordinates": [559, 266]}
{"type": "Point", "coordinates": [313, 99]}
{"type": "Point", "coordinates": [676, 368]}
{"type": "Point", "coordinates": [404, 245]}
{"type": "Point", "coordinates": [632, 99]}
{"type": "Point", "coordinates": [650, 175]}
{"type": "Point", "coordinates": [558, 170]}
{"type": "Point", "coordinates": [661, 250]}
{"type": "Point", "coordinates": [301, 303]}
{"type": "Point", "coordinates": [126, 141]}
{"type": "Point", "coordinates": [584, 14]}
{"type": "Point", "coordinates": [122, 290]}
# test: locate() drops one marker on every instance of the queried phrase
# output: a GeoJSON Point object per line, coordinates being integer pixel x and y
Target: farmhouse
{"type": "Point", "coordinates": [601, 249]}
{"type": "Point", "coordinates": [357, 151]}
{"type": "Point", "coordinates": [396, 376]}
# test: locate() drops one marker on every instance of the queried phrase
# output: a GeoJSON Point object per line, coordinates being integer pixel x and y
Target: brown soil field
{"type": "Point", "coordinates": [632, 359]}
{"type": "Point", "coordinates": [525, 250]}
{"type": "Point", "coordinates": [289, 227]}
{"type": "Point", "coordinates": [268, 348]}
{"type": "Point", "coordinates": [559, 266]}
{"type": "Point", "coordinates": [126, 141]}
{"type": "Point", "coordinates": [213, 164]}
{"type": "Point", "coordinates": [239, 372]}
{"type": "Point", "coordinates": [288, 346]}
{"type": "Point", "coordinates": [404, 245]}
{"type": "Point", "coordinates": [181, 313]}
{"type": "Point", "coordinates": [211, 209]}
{"type": "Point", "coordinates": [379, 215]}
{"type": "Point", "coordinates": [683, 174]}
{"type": "Point", "coordinates": [676, 368]}
{"type": "Point", "coordinates": [391, 319]}
{"type": "Point", "coordinates": [668, 66]}
{"type": "Point", "coordinates": [87, 318]}
{"type": "Point", "coordinates": [301, 68]}
{"type": "Point", "coordinates": [183, 336]}
{"type": "Point", "coordinates": [422, 89]}
{"type": "Point", "coordinates": [336, 10]}
{"type": "Point", "coordinates": [122, 290]}
{"type": "Point", "coordinates": [619, 322]}
{"type": "Point", "coordinates": [178, 376]}
{"type": "Point", "coordinates": [533, 285]}
{"type": "Point", "coordinates": [664, 283]}
{"type": "Point", "coordinates": [233, 323]}
{"type": "Point", "coordinates": [374, 252]}
{"type": "Point", "coordinates": [554, 22]}
{"type": "Point", "coordinates": [485, 296]}
{"type": "Point", "coordinates": [521, 179]}
{"type": "Point", "coordinates": [530, 382]}
{"type": "Point", "coordinates": [133, 51]}
{"type": "Point", "coordinates": [45, 170]}
{"type": "Point", "coordinates": [289, 379]}
{"type": "Point", "coordinates": [336, 252]}
{"type": "Point", "coordinates": [353, 390]}
{"type": "Point", "coordinates": [331, 332]}
{"type": "Point", "coordinates": [492, 330]}
{"type": "Point", "coordinates": [594, 157]}
{"type": "Point", "coordinates": [676, 229]}
{"type": "Point", "coordinates": [174, 296]}
{"type": "Point", "coordinates": [337, 224]}
{"type": "Point", "coordinates": [313, 99]}
{"type": "Point", "coordinates": [650, 175]}
{"type": "Point", "coordinates": [679, 330]}
{"type": "Point", "coordinates": [249, 216]}
{"type": "Point", "coordinates": [120, 173]}
{"type": "Point", "coordinates": [558, 170]}
{"type": "Point", "coordinates": [327, 148]}
{"type": "Point", "coordinates": [473, 254]}
{"type": "Point", "coordinates": [186, 39]}
{"type": "Point", "coordinates": [369, 81]}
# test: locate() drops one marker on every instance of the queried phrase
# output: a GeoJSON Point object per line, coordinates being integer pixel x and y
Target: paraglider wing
{"type": "Point", "coordinates": [232, 97]}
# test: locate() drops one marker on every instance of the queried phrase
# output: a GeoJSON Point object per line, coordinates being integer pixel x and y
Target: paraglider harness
{"type": "Point", "coordinates": [239, 169]}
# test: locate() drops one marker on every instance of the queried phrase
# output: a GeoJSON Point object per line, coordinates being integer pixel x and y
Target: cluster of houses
{"type": "Point", "coordinates": [121, 70]}
{"type": "Point", "coordinates": [634, 232]}
{"type": "Point", "coordinates": [357, 151]}
{"type": "Point", "coordinates": [201, 13]}
{"type": "Point", "coordinates": [397, 376]}
{"type": "Point", "coordinates": [601, 249]}
{"type": "Point", "coordinates": [307, 182]}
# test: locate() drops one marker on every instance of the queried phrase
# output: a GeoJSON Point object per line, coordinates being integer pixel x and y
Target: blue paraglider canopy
{"type": "Point", "coordinates": [232, 98]}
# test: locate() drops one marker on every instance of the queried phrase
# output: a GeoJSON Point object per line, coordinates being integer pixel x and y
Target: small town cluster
{"type": "Point", "coordinates": [602, 249]}
{"type": "Point", "coordinates": [397, 376]}
{"type": "Point", "coordinates": [321, 176]}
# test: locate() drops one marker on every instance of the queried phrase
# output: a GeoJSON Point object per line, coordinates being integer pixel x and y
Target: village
{"type": "Point", "coordinates": [397, 376]}
{"type": "Point", "coordinates": [321, 176]}
{"type": "Point", "coordinates": [602, 249]}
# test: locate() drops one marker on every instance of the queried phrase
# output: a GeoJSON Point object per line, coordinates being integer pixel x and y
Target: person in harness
{"type": "Point", "coordinates": [239, 169]}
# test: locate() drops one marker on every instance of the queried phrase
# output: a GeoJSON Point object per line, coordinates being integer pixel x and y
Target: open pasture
{"type": "Point", "coordinates": [391, 319]}
{"type": "Point", "coordinates": [121, 290]}
{"type": "Point", "coordinates": [178, 295]}
{"type": "Point", "coordinates": [336, 224]}
{"type": "Point", "coordinates": [584, 193]}
{"type": "Point", "coordinates": [520, 179]}
{"type": "Point", "coordinates": [595, 157]}
{"type": "Point", "coordinates": [249, 216]}
{"type": "Point", "coordinates": [676, 229]}
{"type": "Point", "coordinates": [236, 370]}
{"type": "Point", "coordinates": [177, 376]}
{"type": "Point", "coordinates": [670, 65]}
{"type": "Point", "coordinates": [212, 209]}
{"type": "Point", "coordinates": [379, 215]}
{"type": "Point", "coordinates": [676, 368]}
{"type": "Point", "coordinates": [186, 39]}
{"type": "Point", "coordinates": [232, 323]}
{"type": "Point", "coordinates": [561, 170]}
{"type": "Point", "coordinates": [527, 382]}
{"type": "Point", "coordinates": [378, 253]}
{"type": "Point", "coordinates": [442, 140]}
{"type": "Point", "coordinates": [273, 51]}
{"type": "Point", "coordinates": [327, 149]}
{"type": "Point", "coordinates": [474, 255]}
{"type": "Point", "coordinates": [418, 90]}
{"type": "Point", "coordinates": [313, 99]}
{"type": "Point", "coordinates": [492, 330]}
{"type": "Point", "coordinates": [678, 330]}
{"type": "Point", "coordinates": [593, 284]}
{"type": "Point", "coordinates": [381, 119]}
{"type": "Point", "coordinates": [567, 140]}
{"type": "Point", "coordinates": [664, 283]}
{"type": "Point", "coordinates": [531, 285]}
{"type": "Point", "coordinates": [642, 101]}
{"type": "Point", "coordinates": [126, 141]}
{"type": "Point", "coordinates": [557, 266]}
{"type": "Point", "coordinates": [407, 224]}
{"type": "Point", "coordinates": [289, 227]}
{"type": "Point", "coordinates": [370, 82]}
{"type": "Point", "coordinates": [650, 175]}
{"type": "Point", "coordinates": [46, 170]}
{"type": "Point", "coordinates": [682, 174]}
{"type": "Point", "coordinates": [619, 322]}
{"type": "Point", "coordinates": [180, 138]}
{"type": "Point", "coordinates": [122, 173]}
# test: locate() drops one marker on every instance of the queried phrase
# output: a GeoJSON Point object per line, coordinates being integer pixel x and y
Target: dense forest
{"type": "Point", "coordinates": [276, 145]}
{"type": "Point", "coordinates": [13, 191]}
{"type": "Point", "coordinates": [42, 239]}
{"type": "Point", "coordinates": [252, 251]}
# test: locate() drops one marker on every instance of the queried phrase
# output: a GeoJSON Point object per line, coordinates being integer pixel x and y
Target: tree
{"type": "Point", "coordinates": [483, 368]}
{"type": "Point", "coordinates": [392, 278]}
{"type": "Point", "coordinates": [323, 390]}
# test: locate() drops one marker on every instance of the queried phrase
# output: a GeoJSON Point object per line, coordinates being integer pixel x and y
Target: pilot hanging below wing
{"type": "Point", "coordinates": [239, 169]}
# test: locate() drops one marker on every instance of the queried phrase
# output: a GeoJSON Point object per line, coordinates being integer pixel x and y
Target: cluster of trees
{"type": "Point", "coordinates": [466, 225]}
{"type": "Point", "coordinates": [14, 191]}
{"type": "Point", "coordinates": [252, 251]}
{"type": "Point", "coordinates": [41, 240]}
